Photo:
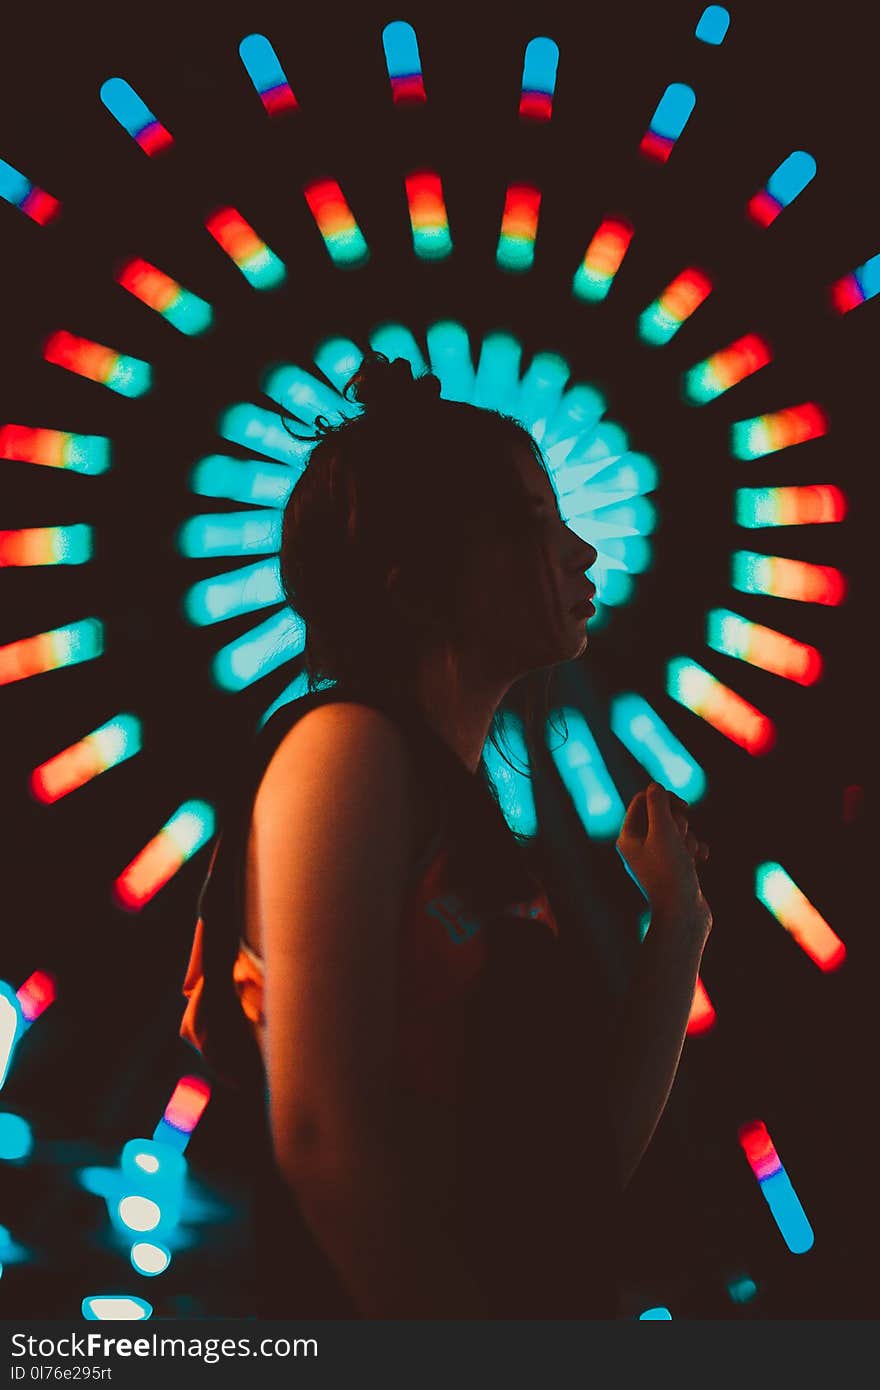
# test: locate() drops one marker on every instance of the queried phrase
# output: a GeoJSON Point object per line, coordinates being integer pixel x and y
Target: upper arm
{"type": "Point", "coordinates": [333, 823]}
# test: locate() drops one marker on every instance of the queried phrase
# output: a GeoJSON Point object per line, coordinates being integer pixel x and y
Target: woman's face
{"type": "Point", "coordinates": [522, 617]}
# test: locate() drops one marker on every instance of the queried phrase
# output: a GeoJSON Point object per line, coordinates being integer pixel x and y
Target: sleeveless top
{"type": "Point", "coordinates": [495, 1029]}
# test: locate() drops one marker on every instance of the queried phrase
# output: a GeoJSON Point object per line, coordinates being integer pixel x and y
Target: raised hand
{"type": "Point", "coordinates": [661, 853]}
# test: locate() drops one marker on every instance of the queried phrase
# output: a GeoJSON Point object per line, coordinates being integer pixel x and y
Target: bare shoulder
{"type": "Point", "coordinates": [345, 772]}
{"type": "Point", "coordinates": [356, 741]}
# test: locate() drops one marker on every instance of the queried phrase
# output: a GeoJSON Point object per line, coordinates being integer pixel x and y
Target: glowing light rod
{"type": "Point", "coordinates": [668, 121]}
{"type": "Point", "coordinates": [726, 368]}
{"type": "Point", "coordinates": [183, 1112]}
{"type": "Point", "coordinates": [128, 376]}
{"type": "Point", "coordinates": [81, 453]}
{"type": "Point", "coordinates": [265, 71]}
{"type": "Point", "coordinates": [34, 202]}
{"type": "Point", "coordinates": [427, 215]}
{"type": "Point", "coordinates": [404, 63]}
{"type": "Point", "coordinates": [103, 748]}
{"type": "Point", "coordinates": [734, 635]}
{"type": "Point", "coordinates": [642, 731]}
{"type": "Point", "coordinates": [259, 266]}
{"type": "Point", "coordinates": [181, 308]}
{"type": "Point", "coordinates": [856, 288]}
{"type": "Point", "coordinates": [602, 259]}
{"type": "Point", "coordinates": [519, 227]}
{"type": "Point", "coordinates": [47, 651]}
{"type": "Point", "coordinates": [515, 794]}
{"type": "Point", "coordinates": [191, 826]}
{"type": "Point", "coordinates": [587, 779]}
{"type": "Point", "coordinates": [681, 298]}
{"type": "Point", "coordinates": [335, 221]}
{"type": "Point", "coordinates": [692, 686]}
{"type": "Point", "coordinates": [46, 545]}
{"type": "Point", "coordinates": [713, 25]}
{"type": "Point", "coordinates": [789, 506]}
{"type": "Point", "coordinates": [778, 577]}
{"type": "Point", "coordinates": [776, 1187]}
{"type": "Point", "coordinates": [133, 114]}
{"type": "Point", "coordinates": [783, 186]}
{"type": "Point", "coordinates": [781, 896]}
{"type": "Point", "coordinates": [764, 434]}
{"type": "Point", "coordinates": [539, 79]}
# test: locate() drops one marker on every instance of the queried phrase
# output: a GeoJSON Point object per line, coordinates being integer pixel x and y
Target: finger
{"type": "Point", "coordinates": [660, 817]}
{"type": "Point", "coordinates": [702, 853]}
{"type": "Point", "coordinates": [635, 822]}
{"type": "Point", "coordinates": [678, 804]}
{"type": "Point", "coordinates": [692, 844]}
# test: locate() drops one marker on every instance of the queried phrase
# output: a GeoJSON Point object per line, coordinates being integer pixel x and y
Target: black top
{"type": "Point", "coordinates": [536, 1190]}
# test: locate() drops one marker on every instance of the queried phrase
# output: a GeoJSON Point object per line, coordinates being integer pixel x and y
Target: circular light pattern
{"type": "Point", "coordinates": [605, 487]}
{"type": "Point", "coordinates": [601, 483]}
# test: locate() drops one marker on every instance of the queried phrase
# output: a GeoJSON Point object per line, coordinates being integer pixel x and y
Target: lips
{"type": "Point", "coordinates": [585, 603]}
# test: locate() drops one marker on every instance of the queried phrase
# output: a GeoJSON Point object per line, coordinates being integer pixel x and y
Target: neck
{"type": "Point", "coordinates": [461, 710]}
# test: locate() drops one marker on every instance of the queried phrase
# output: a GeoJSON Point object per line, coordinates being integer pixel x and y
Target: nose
{"type": "Point", "coordinates": [588, 555]}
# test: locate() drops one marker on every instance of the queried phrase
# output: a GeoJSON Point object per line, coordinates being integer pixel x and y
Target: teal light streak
{"type": "Point", "coordinates": [450, 355]}
{"type": "Point", "coordinates": [587, 779]}
{"type": "Point", "coordinates": [642, 731]}
{"type": "Point", "coordinates": [229, 595]}
{"type": "Point", "coordinates": [591, 284]}
{"type": "Point", "coordinates": [539, 67]}
{"type": "Point", "coordinates": [728, 633]}
{"type": "Point", "coordinates": [673, 111]}
{"type": "Point", "coordinates": [251, 480]}
{"type": "Point", "coordinates": [751, 573]}
{"type": "Point", "coordinates": [298, 687]}
{"type": "Point", "coordinates": [256, 428]}
{"type": "Point", "coordinates": [264, 270]}
{"type": "Point", "coordinates": [87, 453]}
{"type": "Point", "coordinates": [515, 793]}
{"type": "Point", "coordinates": [189, 313]}
{"type": "Point", "coordinates": [16, 1143]}
{"type": "Point", "coordinates": [82, 641]}
{"type": "Point", "coordinates": [756, 507]}
{"type": "Point", "coordinates": [787, 1212]}
{"type": "Point", "coordinates": [713, 24]}
{"type": "Point", "coordinates": [261, 63]}
{"type": "Point", "coordinates": [73, 545]}
{"type": "Point", "coordinates": [657, 325]}
{"type": "Point", "coordinates": [230, 533]}
{"type": "Point", "coordinates": [497, 380]}
{"type": "Point", "coordinates": [541, 391]}
{"type": "Point", "coordinates": [515, 252]}
{"type": "Point", "coordinates": [397, 341]}
{"type": "Point", "coordinates": [401, 49]}
{"type": "Point", "coordinates": [14, 187]}
{"type": "Point", "coordinates": [130, 377]}
{"type": "Point", "coordinates": [580, 409]}
{"type": "Point", "coordinates": [338, 359]}
{"type": "Point", "coordinates": [304, 396]}
{"type": "Point", "coordinates": [123, 102]}
{"type": "Point", "coordinates": [792, 177]}
{"type": "Point", "coordinates": [248, 658]}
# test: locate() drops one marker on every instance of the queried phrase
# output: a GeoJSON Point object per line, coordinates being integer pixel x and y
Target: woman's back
{"type": "Point", "coordinates": [514, 1142]}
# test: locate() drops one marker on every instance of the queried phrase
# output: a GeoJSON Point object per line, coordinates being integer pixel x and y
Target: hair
{"type": "Point", "coordinates": [380, 532]}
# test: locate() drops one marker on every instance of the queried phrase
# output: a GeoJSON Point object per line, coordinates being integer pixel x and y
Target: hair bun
{"type": "Point", "coordinates": [380, 385]}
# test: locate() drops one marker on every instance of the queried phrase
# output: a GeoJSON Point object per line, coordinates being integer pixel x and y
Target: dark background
{"type": "Point", "coordinates": [791, 1046]}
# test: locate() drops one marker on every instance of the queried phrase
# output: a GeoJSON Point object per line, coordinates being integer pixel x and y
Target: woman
{"type": "Point", "coordinates": [448, 1131]}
